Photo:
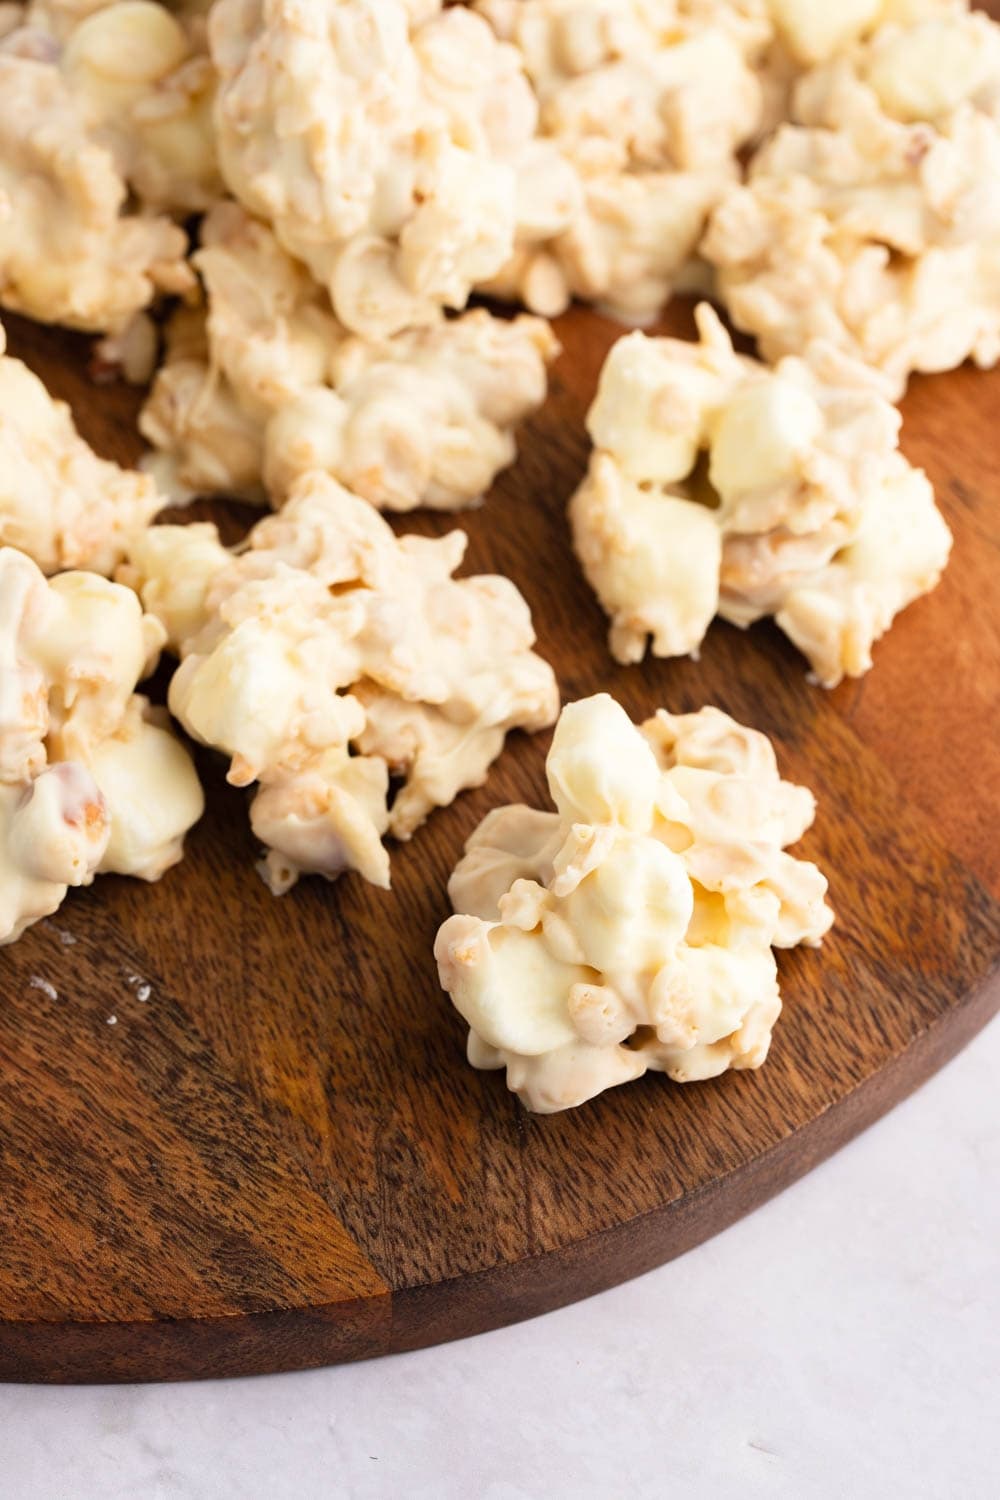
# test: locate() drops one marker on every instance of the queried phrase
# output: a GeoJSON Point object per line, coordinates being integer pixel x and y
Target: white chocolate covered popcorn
{"type": "Point", "coordinates": [642, 110]}
{"type": "Point", "coordinates": [328, 656]}
{"type": "Point", "coordinates": [59, 502]}
{"type": "Point", "coordinates": [873, 221]}
{"type": "Point", "coordinates": [69, 251]}
{"type": "Point", "coordinates": [632, 928]}
{"type": "Point", "coordinates": [371, 135]}
{"type": "Point", "coordinates": [267, 385]}
{"type": "Point", "coordinates": [805, 510]}
{"type": "Point", "coordinates": [91, 778]}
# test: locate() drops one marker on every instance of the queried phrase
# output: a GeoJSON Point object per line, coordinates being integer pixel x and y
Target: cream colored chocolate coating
{"type": "Point", "coordinates": [69, 252]}
{"type": "Point", "coordinates": [269, 386]}
{"type": "Point", "coordinates": [873, 221]}
{"type": "Point", "coordinates": [804, 33]}
{"type": "Point", "coordinates": [59, 502]}
{"type": "Point", "coordinates": [328, 655]}
{"type": "Point", "coordinates": [91, 779]}
{"type": "Point", "coordinates": [145, 86]}
{"type": "Point", "coordinates": [151, 790]}
{"type": "Point", "coordinates": [632, 928]}
{"type": "Point", "coordinates": [642, 111]}
{"type": "Point", "coordinates": [140, 77]}
{"type": "Point", "coordinates": [806, 511]}
{"type": "Point", "coordinates": [814, 31]}
{"type": "Point", "coordinates": [53, 835]}
{"type": "Point", "coordinates": [371, 135]}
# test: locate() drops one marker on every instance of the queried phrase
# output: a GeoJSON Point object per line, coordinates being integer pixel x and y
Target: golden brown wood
{"type": "Point", "coordinates": [281, 1158]}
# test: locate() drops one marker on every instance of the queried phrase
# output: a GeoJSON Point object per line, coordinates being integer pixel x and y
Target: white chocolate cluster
{"type": "Point", "coordinates": [330, 655]}
{"type": "Point", "coordinates": [142, 79]}
{"type": "Point", "coordinates": [372, 135]}
{"type": "Point", "coordinates": [873, 221]}
{"type": "Point", "coordinates": [266, 385]}
{"type": "Point", "coordinates": [91, 778]}
{"type": "Point", "coordinates": [70, 252]}
{"type": "Point", "coordinates": [642, 110]}
{"type": "Point", "coordinates": [59, 502]}
{"type": "Point", "coordinates": [632, 928]}
{"type": "Point", "coordinates": [805, 509]}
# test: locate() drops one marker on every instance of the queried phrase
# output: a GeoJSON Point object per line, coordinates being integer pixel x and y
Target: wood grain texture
{"type": "Point", "coordinates": [281, 1158]}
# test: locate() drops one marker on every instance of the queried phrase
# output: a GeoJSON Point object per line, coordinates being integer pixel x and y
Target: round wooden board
{"type": "Point", "coordinates": [280, 1157]}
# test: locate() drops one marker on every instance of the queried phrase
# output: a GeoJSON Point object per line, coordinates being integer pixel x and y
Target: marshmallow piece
{"type": "Point", "coordinates": [719, 1016]}
{"type": "Point", "coordinates": [599, 770]}
{"type": "Point", "coordinates": [652, 420]}
{"type": "Point", "coordinates": [632, 910]}
{"type": "Point", "coordinates": [266, 683]}
{"type": "Point", "coordinates": [58, 825]}
{"type": "Point", "coordinates": [507, 985]}
{"type": "Point", "coordinates": [804, 476]}
{"type": "Point", "coordinates": [814, 30]}
{"type": "Point", "coordinates": [118, 51]}
{"type": "Point", "coordinates": [925, 71]}
{"type": "Point", "coordinates": [78, 644]}
{"type": "Point", "coordinates": [172, 568]}
{"type": "Point", "coordinates": [619, 949]}
{"type": "Point", "coordinates": [761, 436]}
{"type": "Point", "coordinates": [152, 793]}
{"type": "Point", "coordinates": [652, 558]}
{"type": "Point", "coordinates": [91, 779]}
{"type": "Point", "coordinates": [53, 833]}
{"type": "Point", "coordinates": [142, 85]}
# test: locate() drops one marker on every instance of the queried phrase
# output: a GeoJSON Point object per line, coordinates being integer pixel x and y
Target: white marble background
{"type": "Point", "coordinates": [842, 1343]}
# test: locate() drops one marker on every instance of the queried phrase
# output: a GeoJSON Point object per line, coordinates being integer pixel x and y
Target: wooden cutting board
{"type": "Point", "coordinates": [238, 1134]}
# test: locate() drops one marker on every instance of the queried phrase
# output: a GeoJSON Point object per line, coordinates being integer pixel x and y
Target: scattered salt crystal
{"type": "Point", "coordinates": [112, 1020]}
{"type": "Point", "coordinates": [38, 983]}
{"type": "Point", "coordinates": [143, 992]}
{"type": "Point", "coordinates": [66, 938]}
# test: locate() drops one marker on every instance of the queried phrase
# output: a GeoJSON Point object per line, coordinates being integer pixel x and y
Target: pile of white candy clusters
{"type": "Point", "coordinates": [319, 187]}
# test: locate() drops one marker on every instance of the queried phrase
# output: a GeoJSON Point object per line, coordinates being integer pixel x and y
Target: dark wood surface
{"type": "Point", "coordinates": [281, 1159]}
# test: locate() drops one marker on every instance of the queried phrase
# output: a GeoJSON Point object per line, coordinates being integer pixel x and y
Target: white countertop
{"type": "Point", "coordinates": [842, 1342]}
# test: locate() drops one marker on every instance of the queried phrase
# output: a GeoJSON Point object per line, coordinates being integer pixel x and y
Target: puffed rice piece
{"type": "Point", "coordinates": [632, 928]}
{"type": "Point", "coordinates": [807, 510]}
{"type": "Point", "coordinates": [330, 655]}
